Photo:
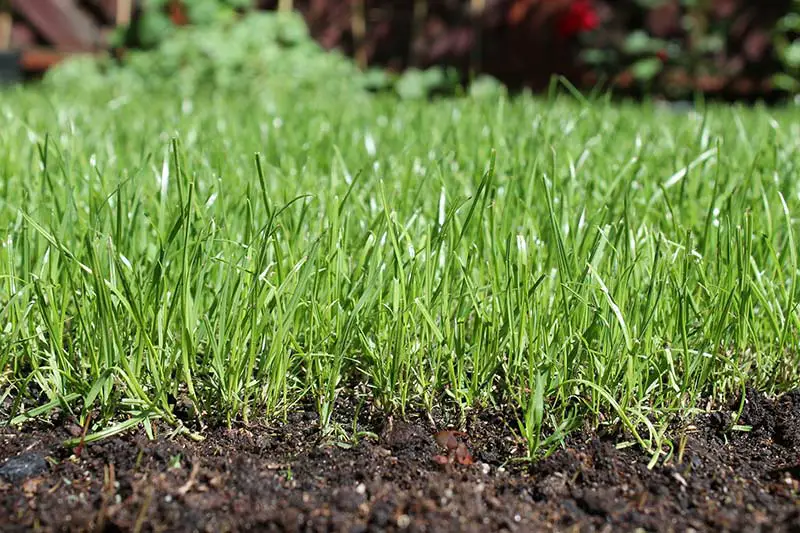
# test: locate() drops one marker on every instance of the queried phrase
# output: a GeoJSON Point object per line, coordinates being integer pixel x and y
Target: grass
{"type": "Point", "coordinates": [573, 261]}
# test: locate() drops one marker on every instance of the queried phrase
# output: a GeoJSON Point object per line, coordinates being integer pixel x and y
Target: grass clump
{"type": "Point", "coordinates": [245, 250]}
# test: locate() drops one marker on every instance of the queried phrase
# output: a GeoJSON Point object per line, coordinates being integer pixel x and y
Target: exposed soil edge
{"type": "Point", "coordinates": [282, 479]}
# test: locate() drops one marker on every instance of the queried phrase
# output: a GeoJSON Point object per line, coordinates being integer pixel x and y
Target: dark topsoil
{"type": "Point", "coordinates": [283, 479]}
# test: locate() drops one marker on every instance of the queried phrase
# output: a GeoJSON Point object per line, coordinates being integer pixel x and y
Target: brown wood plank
{"type": "Point", "coordinates": [60, 22]}
{"type": "Point", "coordinates": [40, 59]}
{"type": "Point", "coordinates": [37, 60]}
{"type": "Point", "coordinates": [22, 36]}
{"type": "Point", "coordinates": [5, 30]}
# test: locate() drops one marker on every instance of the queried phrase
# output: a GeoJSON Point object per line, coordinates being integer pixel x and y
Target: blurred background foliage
{"type": "Point", "coordinates": [728, 48]}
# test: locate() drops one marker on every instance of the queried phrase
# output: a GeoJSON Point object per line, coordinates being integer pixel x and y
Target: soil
{"type": "Point", "coordinates": [284, 478]}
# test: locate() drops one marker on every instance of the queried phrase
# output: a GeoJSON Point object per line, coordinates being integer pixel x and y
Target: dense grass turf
{"type": "Point", "coordinates": [575, 261]}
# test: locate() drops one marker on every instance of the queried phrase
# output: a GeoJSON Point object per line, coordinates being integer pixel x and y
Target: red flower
{"type": "Point", "coordinates": [580, 17]}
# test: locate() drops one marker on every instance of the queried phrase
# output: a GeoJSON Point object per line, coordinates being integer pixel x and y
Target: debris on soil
{"type": "Point", "coordinates": [457, 451]}
{"type": "Point", "coordinates": [22, 467]}
{"type": "Point", "coordinates": [448, 439]}
{"type": "Point", "coordinates": [282, 478]}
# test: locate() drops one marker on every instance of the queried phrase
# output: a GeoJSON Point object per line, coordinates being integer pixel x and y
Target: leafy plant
{"type": "Point", "coordinates": [256, 51]}
{"type": "Point", "coordinates": [157, 19]}
{"type": "Point", "coordinates": [787, 47]}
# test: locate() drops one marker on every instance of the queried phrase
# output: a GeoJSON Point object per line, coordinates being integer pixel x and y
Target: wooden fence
{"type": "Point", "coordinates": [46, 31]}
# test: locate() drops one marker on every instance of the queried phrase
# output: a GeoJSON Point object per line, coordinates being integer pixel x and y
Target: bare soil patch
{"type": "Point", "coordinates": [283, 478]}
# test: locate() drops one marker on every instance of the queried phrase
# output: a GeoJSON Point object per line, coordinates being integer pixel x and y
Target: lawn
{"type": "Point", "coordinates": [571, 260]}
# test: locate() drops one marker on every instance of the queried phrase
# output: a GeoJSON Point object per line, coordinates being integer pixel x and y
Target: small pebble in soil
{"type": "Point", "coordinates": [22, 467]}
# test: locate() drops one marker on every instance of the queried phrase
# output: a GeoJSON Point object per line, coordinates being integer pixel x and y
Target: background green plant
{"type": "Point", "coordinates": [153, 24]}
{"type": "Point", "coordinates": [787, 46]}
{"type": "Point", "coordinates": [274, 48]}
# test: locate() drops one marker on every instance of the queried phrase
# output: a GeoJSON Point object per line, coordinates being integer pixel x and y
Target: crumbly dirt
{"type": "Point", "coordinates": [284, 478]}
